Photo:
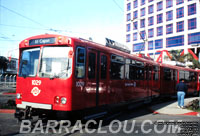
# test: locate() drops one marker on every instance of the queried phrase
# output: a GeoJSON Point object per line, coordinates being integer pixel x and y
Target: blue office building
{"type": "Point", "coordinates": [156, 25]}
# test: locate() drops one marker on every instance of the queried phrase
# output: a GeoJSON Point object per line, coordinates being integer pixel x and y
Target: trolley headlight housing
{"type": "Point", "coordinates": [18, 96]}
{"type": "Point", "coordinates": [63, 100]}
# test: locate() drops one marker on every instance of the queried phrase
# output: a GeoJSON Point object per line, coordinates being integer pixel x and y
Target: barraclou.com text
{"type": "Point", "coordinates": [115, 126]}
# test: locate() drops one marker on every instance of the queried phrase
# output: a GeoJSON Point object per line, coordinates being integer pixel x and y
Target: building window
{"type": "Point", "coordinates": [128, 38]}
{"type": "Point", "coordinates": [159, 6]}
{"type": "Point", "coordinates": [135, 36]}
{"type": "Point", "coordinates": [128, 27]}
{"type": "Point", "coordinates": [150, 45]}
{"type": "Point", "coordinates": [150, 33]}
{"type": "Point", "coordinates": [142, 2]}
{"type": "Point", "coordinates": [150, 9]}
{"type": "Point", "coordinates": [169, 29]}
{"type": "Point", "coordinates": [158, 44]}
{"type": "Point", "coordinates": [169, 3]}
{"type": "Point", "coordinates": [194, 38]}
{"type": "Point", "coordinates": [142, 23]}
{"type": "Point", "coordinates": [135, 14]}
{"type": "Point", "coordinates": [142, 12]}
{"type": "Point", "coordinates": [143, 34]}
{"type": "Point", "coordinates": [192, 9]}
{"type": "Point", "coordinates": [128, 17]}
{"type": "Point", "coordinates": [180, 26]}
{"type": "Point", "coordinates": [150, 21]}
{"type": "Point", "coordinates": [179, 2]}
{"type": "Point", "coordinates": [138, 47]}
{"type": "Point", "coordinates": [159, 18]}
{"type": "Point", "coordinates": [128, 6]}
{"type": "Point", "coordinates": [159, 31]}
{"type": "Point", "coordinates": [135, 25]}
{"type": "Point", "coordinates": [169, 15]}
{"type": "Point", "coordinates": [192, 24]}
{"type": "Point", "coordinates": [135, 3]}
{"type": "Point", "coordinates": [175, 41]}
{"type": "Point", "coordinates": [180, 12]}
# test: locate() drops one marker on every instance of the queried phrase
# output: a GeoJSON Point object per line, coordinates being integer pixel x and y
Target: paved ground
{"type": "Point", "coordinates": [139, 121]}
{"type": "Point", "coordinates": [171, 108]}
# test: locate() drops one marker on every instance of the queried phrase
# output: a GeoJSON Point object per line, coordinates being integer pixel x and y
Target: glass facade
{"type": "Point", "coordinates": [179, 2]}
{"type": "Point", "coordinates": [180, 12]}
{"type": "Point", "coordinates": [150, 21]}
{"type": "Point", "coordinates": [150, 45]}
{"type": "Point", "coordinates": [150, 33]}
{"type": "Point", "coordinates": [192, 23]}
{"type": "Point", "coordinates": [192, 9]}
{"type": "Point", "coordinates": [159, 31]}
{"type": "Point", "coordinates": [135, 36]}
{"type": "Point", "coordinates": [169, 29]}
{"type": "Point", "coordinates": [169, 3]}
{"type": "Point", "coordinates": [159, 6]}
{"type": "Point", "coordinates": [128, 27]}
{"type": "Point", "coordinates": [175, 41]}
{"type": "Point", "coordinates": [138, 47]}
{"type": "Point", "coordinates": [159, 44]}
{"type": "Point", "coordinates": [142, 12]}
{"type": "Point", "coordinates": [194, 38]}
{"type": "Point", "coordinates": [142, 23]}
{"type": "Point", "coordinates": [180, 26]}
{"type": "Point", "coordinates": [159, 18]}
{"type": "Point", "coordinates": [150, 9]}
{"type": "Point", "coordinates": [169, 15]}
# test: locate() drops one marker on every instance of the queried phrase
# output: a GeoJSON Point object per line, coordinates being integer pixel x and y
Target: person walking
{"type": "Point", "coordinates": [181, 89]}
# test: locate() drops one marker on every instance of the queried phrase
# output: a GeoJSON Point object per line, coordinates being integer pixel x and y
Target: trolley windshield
{"type": "Point", "coordinates": [54, 62]}
{"type": "Point", "coordinates": [29, 62]}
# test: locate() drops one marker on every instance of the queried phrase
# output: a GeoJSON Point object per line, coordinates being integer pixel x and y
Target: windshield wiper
{"type": "Point", "coordinates": [53, 76]}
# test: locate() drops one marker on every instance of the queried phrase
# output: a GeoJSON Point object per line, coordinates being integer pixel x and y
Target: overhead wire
{"type": "Point", "coordinates": [23, 16]}
{"type": "Point", "coordinates": [36, 22]}
{"type": "Point", "coordinates": [118, 6]}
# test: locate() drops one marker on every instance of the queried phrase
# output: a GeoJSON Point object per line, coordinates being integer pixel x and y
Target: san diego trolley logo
{"type": "Point", "coordinates": [35, 91]}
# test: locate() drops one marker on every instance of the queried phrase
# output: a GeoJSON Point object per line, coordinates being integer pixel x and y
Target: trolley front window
{"type": "Point", "coordinates": [29, 62]}
{"type": "Point", "coordinates": [56, 62]}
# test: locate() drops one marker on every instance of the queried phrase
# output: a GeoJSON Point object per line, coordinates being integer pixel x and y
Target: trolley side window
{"type": "Point", "coordinates": [130, 69]}
{"type": "Point", "coordinates": [103, 66]}
{"type": "Point", "coordinates": [168, 74]}
{"type": "Point", "coordinates": [117, 67]}
{"type": "Point", "coordinates": [92, 65]}
{"type": "Point", "coordinates": [156, 73]}
{"type": "Point", "coordinates": [139, 70]}
{"type": "Point", "coordinates": [80, 62]}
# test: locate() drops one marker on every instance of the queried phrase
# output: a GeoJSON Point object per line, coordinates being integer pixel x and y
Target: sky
{"type": "Point", "coordinates": [20, 19]}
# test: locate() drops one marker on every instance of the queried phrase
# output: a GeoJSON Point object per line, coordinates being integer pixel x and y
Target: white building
{"type": "Point", "coordinates": [157, 25]}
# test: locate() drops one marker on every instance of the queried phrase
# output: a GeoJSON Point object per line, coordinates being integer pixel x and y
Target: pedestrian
{"type": "Point", "coordinates": [181, 89]}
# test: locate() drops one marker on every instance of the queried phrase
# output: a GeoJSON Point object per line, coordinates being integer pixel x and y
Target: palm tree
{"type": "Point", "coordinates": [176, 56]}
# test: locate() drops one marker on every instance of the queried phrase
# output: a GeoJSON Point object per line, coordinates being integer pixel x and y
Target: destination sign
{"type": "Point", "coordinates": [42, 41]}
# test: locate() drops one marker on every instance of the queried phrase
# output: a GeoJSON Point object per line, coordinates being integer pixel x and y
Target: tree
{"type": "Point", "coordinates": [176, 56]}
{"type": "Point", "coordinates": [3, 63]}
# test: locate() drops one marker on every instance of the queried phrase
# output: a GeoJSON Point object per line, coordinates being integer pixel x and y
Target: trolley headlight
{"type": "Point", "coordinates": [18, 96]}
{"type": "Point", "coordinates": [63, 100]}
{"type": "Point", "coordinates": [56, 99]}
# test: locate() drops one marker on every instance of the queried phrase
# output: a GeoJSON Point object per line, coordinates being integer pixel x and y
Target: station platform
{"type": "Point", "coordinates": [170, 108]}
